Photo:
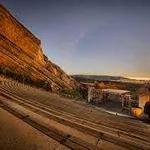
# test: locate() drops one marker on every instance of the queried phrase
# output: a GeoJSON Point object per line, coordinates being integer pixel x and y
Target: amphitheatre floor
{"type": "Point", "coordinates": [72, 123]}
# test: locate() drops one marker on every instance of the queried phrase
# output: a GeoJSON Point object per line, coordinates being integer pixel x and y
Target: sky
{"type": "Point", "coordinates": [98, 37]}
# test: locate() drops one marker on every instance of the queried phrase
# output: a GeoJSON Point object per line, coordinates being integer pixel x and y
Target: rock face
{"type": "Point", "coordinates": [21, 50]}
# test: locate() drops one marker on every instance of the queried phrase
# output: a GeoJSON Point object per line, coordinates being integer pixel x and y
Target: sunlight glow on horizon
{"type": "Point", "coordinates": [139, 78]}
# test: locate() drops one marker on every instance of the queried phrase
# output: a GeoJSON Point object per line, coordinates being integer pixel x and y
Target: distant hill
{"type": "Point", "coordinates": [112, 82]}
{"type": "Point", "coordinates": [92, 78]}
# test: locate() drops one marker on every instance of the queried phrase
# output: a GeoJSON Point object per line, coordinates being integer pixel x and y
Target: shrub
{"type": "Point", "coordinates": [74, 93]}
{"type": "Point", "coordinates": [24, 78]}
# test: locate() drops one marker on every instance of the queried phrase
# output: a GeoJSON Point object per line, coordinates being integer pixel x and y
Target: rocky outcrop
{"type": "Point", "coordinates": [21, 51]}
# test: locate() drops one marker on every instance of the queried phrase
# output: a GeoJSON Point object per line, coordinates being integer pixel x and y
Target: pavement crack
{"type": "Point", "coordinates": [65, 138]}
{"type": "Point", "coordinates": [99, 137]}
{"type": "Point", "coordinates": [25, 117]}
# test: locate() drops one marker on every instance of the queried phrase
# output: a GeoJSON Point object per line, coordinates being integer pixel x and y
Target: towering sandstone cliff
{"type": "Point", "coordinates": [21, 51]}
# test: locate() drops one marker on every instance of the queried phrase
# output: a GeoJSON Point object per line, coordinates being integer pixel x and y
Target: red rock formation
{"type": "Point", "coordinates": [21, 50]}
